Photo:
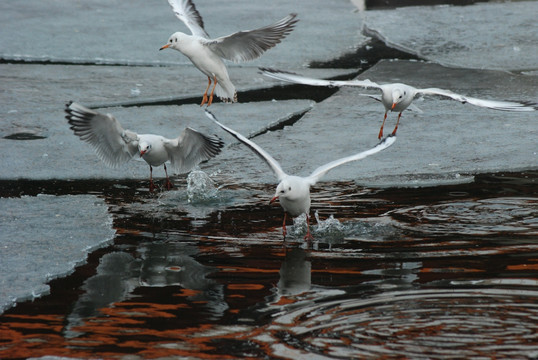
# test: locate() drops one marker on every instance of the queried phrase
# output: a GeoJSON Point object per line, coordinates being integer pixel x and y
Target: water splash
{"type": "Point", "coordinates": [200, 187]}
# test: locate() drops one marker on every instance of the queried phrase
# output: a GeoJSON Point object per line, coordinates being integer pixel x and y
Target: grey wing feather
{"type": "Point", "coordinates": [189, 15]}
{"type": "Point", "coordinates": [491, 104]}
{"type": "Point", "coordinates": [322, 170]}
{"type": "Point", "coordinates": [262, 154]}
{"type": "Point", "coordinates": [249, 45]}
{"type": "Point", "coordinates": [299, 79]}
{"type": "Point", "coordinates": [112, 144]}
{"type": "Point", "coordinates": [190, 149]}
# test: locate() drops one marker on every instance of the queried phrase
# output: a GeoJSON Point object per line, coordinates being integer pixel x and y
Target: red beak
{"type": "Point", "coordinates": [142, 153]}
{"type": "Point", "coordinates": [164, 47]}
{"type": "Point", "coordinates": [273, 199]}
{"type": "Point", "coordinates": [393, 106]}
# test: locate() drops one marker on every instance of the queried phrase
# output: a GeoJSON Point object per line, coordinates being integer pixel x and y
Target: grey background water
{"type": "Point", "coordinates": [443, 223]}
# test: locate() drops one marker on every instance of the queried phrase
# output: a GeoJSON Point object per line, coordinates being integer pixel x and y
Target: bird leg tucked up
{"type": "Point", "coordinates": [204, 98]}
{"type": "Point", "coordinates": [212, 91]}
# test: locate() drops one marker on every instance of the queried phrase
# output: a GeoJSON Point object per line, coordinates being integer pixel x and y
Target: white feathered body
{"type": "Point", "coordinates": [294, 195]}
{"type": "Point", "coordinates": [206, 61]}
{"type": "Point", "coordinates": [158, 154]}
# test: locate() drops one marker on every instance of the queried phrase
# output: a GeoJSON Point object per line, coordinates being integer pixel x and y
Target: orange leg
{"type": "Point", "coordinates": [284, 232]}
{"type": "Point", "coordinates": [308, 235]}
{"type": "Point", "coordinates": [212, 91]}
{"type": "Point", "coordinates": [151, 185]}
{"type": "Point", "coordinates": [397, 122]}
{"type": "Point", "coordinates": [204, 99]}
{"type": "Point", "coordinates": [382, 125]}
{"type": "Point", "coordinates": [168, 184]}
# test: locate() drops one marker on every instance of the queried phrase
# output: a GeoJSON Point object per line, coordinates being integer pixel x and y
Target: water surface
{"type": "Point", "coordinates": [437, 272]}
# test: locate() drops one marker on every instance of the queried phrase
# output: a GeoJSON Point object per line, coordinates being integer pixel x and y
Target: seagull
{"type": "Point", "coordinates": [115, 146]}
{"type": "Point", "coordinates": [293, 192]}
{"type": "Point", "coordinates": [397, 97]}
{"type": "Point", "coordinates": [207, 54]}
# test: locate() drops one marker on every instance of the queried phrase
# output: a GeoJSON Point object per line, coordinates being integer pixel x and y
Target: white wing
{"type": "Point", "coordinates": [322, 170]}
{"type": "Point", "coordinates": [491, 104]}
{"type": "Point", "coordinates": [112, 144]}
{"type": "Point", "coordinates": [249, 45]}
{"type": "Point", "coordinates": [187, 13]}
{"type": "Point", "coordinates": [262, 154]}
{"type": "Point", "coordinates": [190, 149]}
{"type": "Point", "coordinates": [299, 79]}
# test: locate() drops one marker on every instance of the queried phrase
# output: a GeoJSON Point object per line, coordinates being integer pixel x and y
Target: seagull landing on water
{"type": "Point", "coordinates": [207, 54]}
{"type": "Point", "coordinates": [397, 97]}
{"type": "Point", "coordinates": [115, 146]}
{"type": "Point", "coordinates": [293, 192]}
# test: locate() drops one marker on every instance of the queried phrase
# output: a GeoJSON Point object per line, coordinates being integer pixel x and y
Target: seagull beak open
{"type": "Point", "coordinates": [142, 152]}
{"type": "Point", "coordinates": [165, 47]}
{"type": "Point", "coordinates": [275, 198]}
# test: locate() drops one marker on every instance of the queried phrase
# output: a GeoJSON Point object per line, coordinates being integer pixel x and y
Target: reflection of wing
{"type": "Point", "coordinates": [322, 170]}
{"type": "Point", "coordinates": [262, 154]}
{"type": "Point", "coordinates": [491, 104]}
{"type": "Point", "coordinates": [299, 79]}
{"type": "Point", "coordinates": [113, 145]}
{"type": "Point", "coordinates": [190, 149]}
{"type": "Point", "coordinates": [187, 13]}
{"type": "Point", "coordinates": [251, 44]}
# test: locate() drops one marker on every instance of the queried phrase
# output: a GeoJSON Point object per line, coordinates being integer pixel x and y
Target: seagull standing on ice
{"type": "Point", "coordinates": [293, 192]}
{"type": "Point", "coordinates": [207, 54]}
{"type": "Point", "coordinates": [115, 146]}
{"type": "Point", "coordinates": [397, 97]}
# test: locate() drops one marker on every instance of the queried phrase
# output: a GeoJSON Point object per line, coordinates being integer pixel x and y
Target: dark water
{"type": "Point", "coordinates": [441, 272]}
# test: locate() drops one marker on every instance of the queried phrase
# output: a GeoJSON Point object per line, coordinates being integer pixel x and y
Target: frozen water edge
{"type": "Point", "coordinates": [46, 237]}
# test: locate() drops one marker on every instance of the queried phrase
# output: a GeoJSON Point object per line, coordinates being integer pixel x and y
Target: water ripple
{"type": "Point", "coordinates": [478, 217]}
{"type": "Point", "coordinates": [467, 323]}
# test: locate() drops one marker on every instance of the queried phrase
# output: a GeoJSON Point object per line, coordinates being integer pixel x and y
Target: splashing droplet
{"type": "Point", "coordinates": [200, 187]}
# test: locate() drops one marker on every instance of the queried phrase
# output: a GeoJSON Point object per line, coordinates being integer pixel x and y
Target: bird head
{"type": "Point", "coordinates": [173, 41]}
{"type": "Point", "coordinates": [144, 148]}
{"type": "Point", "coordinates": [282, 189]}
{"type": "Point", "coordinates": [398, 95]}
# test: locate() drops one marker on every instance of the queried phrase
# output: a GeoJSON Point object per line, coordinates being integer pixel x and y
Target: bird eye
{"type": "Point", "coordinates": [289, 189]}
{"type": "Point", "coordinates": [170, 40]}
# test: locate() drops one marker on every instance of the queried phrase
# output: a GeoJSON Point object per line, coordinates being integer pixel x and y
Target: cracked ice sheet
{"type": "Point", "coordinates": [46, 237]}
{"type": "Point", "coordinates": [131, 32]}
{"type": "Point", "coordinates": [499, 36]}
{"type": "Point", "coordinates": [441, 145]}
{"type": "Point", "coordinates": [62, 155]}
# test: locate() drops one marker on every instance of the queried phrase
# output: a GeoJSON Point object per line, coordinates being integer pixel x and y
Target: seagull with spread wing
{"type": "Point", "coordinates": [396, 96]}
{"type": "Point", "coordinates": [115, 146]}
{"type": "Point", "coordinates": [293, 192]}
{"type": "Point", "coordinates": [207, 54]}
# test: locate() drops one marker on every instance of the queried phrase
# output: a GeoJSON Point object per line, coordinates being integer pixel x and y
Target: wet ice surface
{"type": "Point", "coordinates": [436, 256]}
{"type": "Point", "coordinates": [45, 237]}
{"type": "Point", "coordinates": [480, 36]}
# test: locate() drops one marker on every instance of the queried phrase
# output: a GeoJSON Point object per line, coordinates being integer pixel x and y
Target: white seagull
{"type": "Point", "coordinates": [207, 54]}
{"type": "Point", "coordinates": [115, 146]}
{"type": "Point", "coordinates": [397, 97]}
{"type": "Point", "coordinates": [293, 192]}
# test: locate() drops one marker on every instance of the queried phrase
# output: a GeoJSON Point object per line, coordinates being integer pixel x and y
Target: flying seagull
{"type": "Point", "coordinates": [207, 54]}
{"type": "Point", "coordinates": [115, 146]}
{"type": "Point", "coordinates": [293, 192]}
{"type": "Point", "coordinates": [396, 96]}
